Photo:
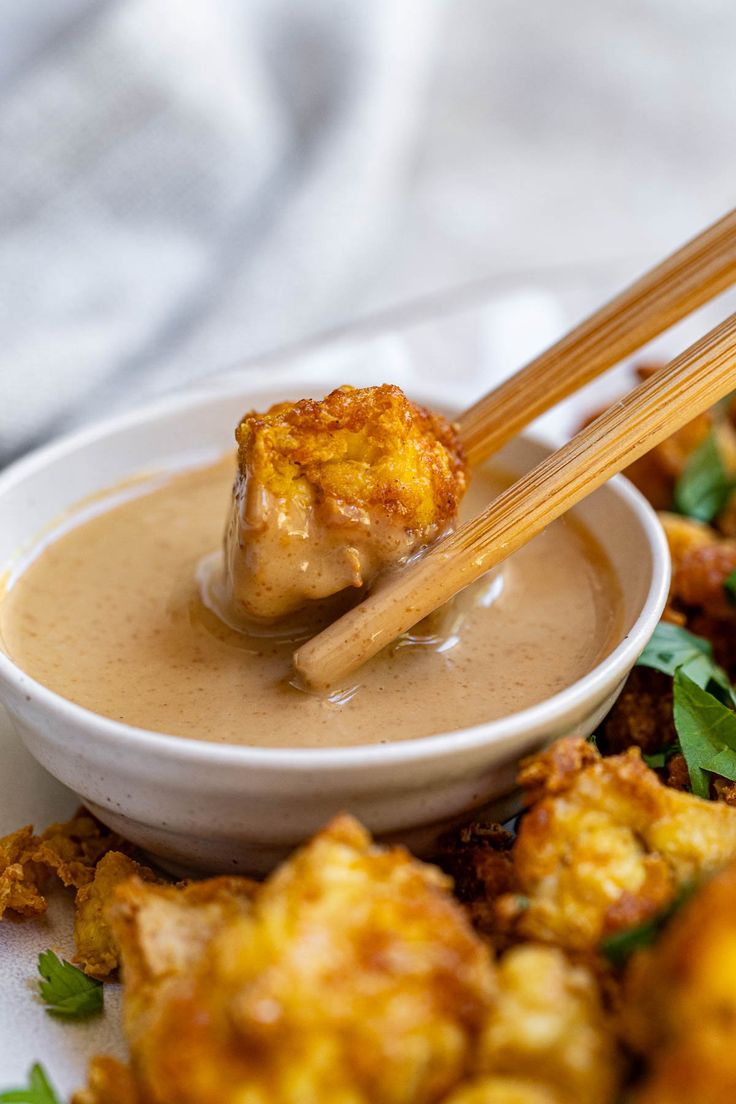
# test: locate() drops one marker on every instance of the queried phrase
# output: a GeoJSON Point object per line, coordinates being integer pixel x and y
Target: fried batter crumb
{"type": "Point", "coordinates": [71, 850]}
{"type": "Point", "coordinates": [642, 715]}
{"type": "Point", "coordinates": [19, 875]}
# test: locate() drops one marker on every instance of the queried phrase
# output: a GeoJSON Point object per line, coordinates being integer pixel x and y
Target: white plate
{"type": "Point", "coordinates": [27, 1034]}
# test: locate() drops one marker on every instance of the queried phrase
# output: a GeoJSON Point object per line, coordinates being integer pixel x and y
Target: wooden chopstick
{"type": "Point", "coordinates": [677, 393]}
{"type": "Point", "coordinates": [692, 276]}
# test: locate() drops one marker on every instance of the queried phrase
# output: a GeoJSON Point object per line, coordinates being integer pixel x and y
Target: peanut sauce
{"type": "Point", "coordinates": [109, 614]}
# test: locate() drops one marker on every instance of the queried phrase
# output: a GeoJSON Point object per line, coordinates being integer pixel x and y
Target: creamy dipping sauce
{"type": "Point", "coordinates": [109, 615]}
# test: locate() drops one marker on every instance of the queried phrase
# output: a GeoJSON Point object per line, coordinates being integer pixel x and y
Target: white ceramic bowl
{"type": "Point", "coordinates": [199, 805]}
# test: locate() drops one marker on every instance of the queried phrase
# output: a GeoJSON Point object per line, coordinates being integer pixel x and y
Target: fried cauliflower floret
{"type": "Point", "coordinates": [605, 845]}
{"type": "Point", "coordinates": [548, 1023]}
{"type": "Point", "coordinates": [656, 473]}
{"type": "Point", "coordinates": [97, 952]}
{"type": "Point", "coordinates": [19, 875]}
{"type": "Point", "coordinates": [699, 577]}
{"type": "Point", "coordinates": [679, 1007]}
{"type": "Point", "coordinates": [162, 933]}
{"type": "Point", "coordinates": [352, 978]}
{"type": "Point", "coordinates": [329, 493]}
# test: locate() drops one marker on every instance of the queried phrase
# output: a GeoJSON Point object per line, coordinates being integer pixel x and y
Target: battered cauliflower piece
{"type": "Point", "coordinates": [679, 1007]}
{"type": "Point", "coordinates": [605, 845]}
{"type": "Point", "coordinates": [19, 875]}
{"type": "Point", "coordinates": [351, 978]}
{"type": "Point", "coordinates": [97, 952]}
{"type": "Point", "coordinates": [330, 493]}
{"type": "Point", "coordinates": [548, 1024]}
{"type": "Point", "coordinates": [546, 1040]}
{"type": "Point", "coordinates": [162, 933]}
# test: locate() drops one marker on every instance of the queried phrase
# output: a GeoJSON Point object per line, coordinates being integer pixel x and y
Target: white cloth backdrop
{"type": "Point", "coordinates": [184, 184]}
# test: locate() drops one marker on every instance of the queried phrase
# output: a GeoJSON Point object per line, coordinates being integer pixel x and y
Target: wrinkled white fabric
{"type": "Point", "coordinates": [185, 184]}
{"type": "Point", "coordinates": [173, 169]}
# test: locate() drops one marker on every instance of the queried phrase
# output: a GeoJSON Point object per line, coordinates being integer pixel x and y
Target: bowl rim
{"type": "Point", "coordinates": [548, 713]}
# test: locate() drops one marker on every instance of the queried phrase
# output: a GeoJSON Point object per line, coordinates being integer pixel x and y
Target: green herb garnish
{"type": "Point", "coordinates": [658, 759]}
{"type": "Point", "coordinates": [66, 990]}
{"type": "Point", "coordinates": [704, 486]}
{"type": "Point", "coordinates": [619, 947]}
{"type": "Point", "coordinates": [673, 648]}
{"type": "Point", "coordinates": [706, 729]}
{"type": "Point", "coordinates": [703, 704]}
{"type": "Point", "coordinates": [729, 586]}
{"type": "Point", "coordinates": [39, 1090]}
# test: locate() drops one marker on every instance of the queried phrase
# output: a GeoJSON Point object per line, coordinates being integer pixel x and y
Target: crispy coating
{"type": "Point", "coordinates": [109, 1082]}
{"type": "Point", "coordinates": [501, 1090]}
{"type": "Point", "coordinates": [478, 858]}
{"type": "Point", "coordinates": [19, 875]}
{"type": "Point", "coordinates": [352, 977]}
{"type": "Point", "coordinates": [642, 715]}
{"type": "Point", "coordinates": [699, 577]}
{"type": "Point", "coordinates": [605, 845]}
{"type": "Point", "coordinates": [548, 1024]}
{"type": "Point", "coordinates": [97, 952]}
{"type": "Point", "coordinates": [72, 850]}
{"type": "Point", "coordinates": [656, 473]}
{"type": "Point", "coordinates": [331, 492]}
{"type": "Point", "coordinates": [69, 851]}
{"type": "Point", "coordinates": [163, 932]}
{"type": "Point", "coordinates": [679, 1006]}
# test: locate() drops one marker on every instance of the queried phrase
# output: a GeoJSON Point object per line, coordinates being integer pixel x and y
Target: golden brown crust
{"type": "Point", "coordinates": [68, 851]}
{"type": "Point", "coordinates": [353, 976]}
{"type": "Point", "coordinates": [330, 493]}
{"type": "Point", "coordinates": [679, 1006]}
{"type": "Point", "coordinates": [109, 1082]}
{"type": "Point", "coordinates": [368, 447]}
{"type": "Point", "coordinates": [71, 850]}
{"type": "Point", "coordinates": [504, 1090]}
{"type": "Point", "coordinates": [96, 949]}
{"type": "Point", "coordinates": [605, 846]}
{"type": "Point", "coordinates": [548, 1024]}
{"type": "Point", "coordinates": [20, 875]}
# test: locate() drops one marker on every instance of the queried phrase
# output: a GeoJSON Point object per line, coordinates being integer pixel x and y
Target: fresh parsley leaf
{"type": "Point", "coordinates": [661, 758]}
{"type": "Point", "coordinates": [673, 648]}
{"type": "Point", "coordinates": [66, 990]}
{"type": "Point", "coordinates": [704, 486]}
{"type": "Point", "coordinates": [729, 586]}
{"type": "Point", "coordinates": [619, 947]}
{"type": "Point", "coordinates": [39, 1090]}
{"type": "Point", "coordinates": [706, 729]}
